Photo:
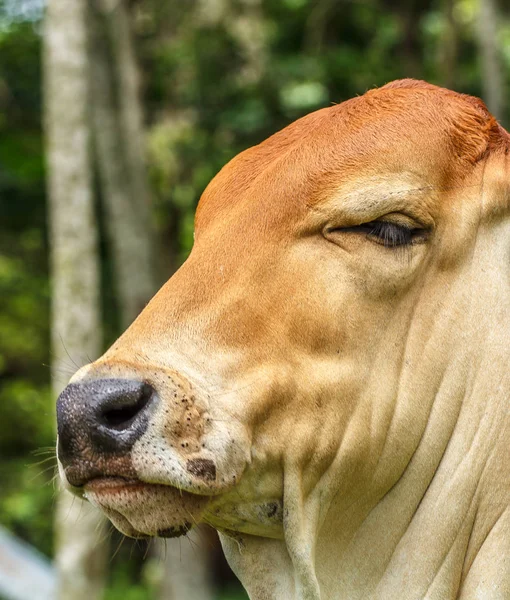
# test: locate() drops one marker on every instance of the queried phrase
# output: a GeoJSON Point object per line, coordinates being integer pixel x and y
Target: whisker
{"type": "Point", "coordinates": [70, 509]}
{"type": "Point", "coordinates": [107, 534]}
{"type": "Point", "coordinates": [98, 526]}
{"type": "Point", "coordinates": [192, 517]}
{"type": "Point", "coordinates": [41, 473]}
{"type": "Point", "coordinates": [80, 512]}
{"type": "Point", "coordinates": [54, 478]}
{"type": "Point", "coordinates": [52, 458]}
{"type": "Point", "coordinates": [44, 450]}
{"type": "Point", "coordinates": [200, 533]}
{"type": "Point", "coordinates": [203, 538]}
{"type": "Point", "coordinates": [237, 389]}
{"type": "Point", "coordinates": [67, 352]}
{"type": "Point", "coordinates": [64, 370]}
{"type": "Point", "coordinates": [60, 360]}
{"type": "Point", "coordinates": [192, 546]}
{"type": "Point", "coordinates": [119, 545]}
{"type": "Point", "coordinates": [148, 545]}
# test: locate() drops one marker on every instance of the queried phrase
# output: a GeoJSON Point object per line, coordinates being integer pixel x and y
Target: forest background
{"type": "Point", "coordinates": [208, 79]}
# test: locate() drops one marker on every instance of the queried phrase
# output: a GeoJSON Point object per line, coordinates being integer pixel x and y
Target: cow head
{"type": "Point", "coordinates": [325, 379]}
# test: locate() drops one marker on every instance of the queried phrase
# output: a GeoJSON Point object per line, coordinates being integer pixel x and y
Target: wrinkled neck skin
{"type": "Point", "coordinates": [433, 533]}
{"type": "Point", "coordinates": [413, 502]}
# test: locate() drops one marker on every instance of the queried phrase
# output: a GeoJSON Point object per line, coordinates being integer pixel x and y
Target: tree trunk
{"type": "Point", "coordinates": [131, 112]}
{"type": "Point", "coordinates": [247, 27]}
{"type": "Point", "coordinates": [490, 58]}
{"type": "Point", "coordinates": [130, 234]}
{"type": "Point", "coordinates": [130, 155]}
{"type": "Point", "coordinates": [186, 569]}
{"type": "Point", "coordinates": [76, 327]}
{"type": "Point", "coordinates": [315, 26]}
{"type": "Point", "coordinates": [244, 21]}
{"type": "Point", "coordinates": [448, 46]}
{"type": "Point", "coordinates": [119, 141]}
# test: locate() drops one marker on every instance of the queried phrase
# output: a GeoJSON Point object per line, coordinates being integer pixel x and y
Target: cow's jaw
{"type": "Point", "coordinates": [139, 509]}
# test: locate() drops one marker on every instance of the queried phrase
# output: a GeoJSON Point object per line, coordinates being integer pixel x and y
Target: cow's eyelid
{"type": "Point", "coordinates": [387, 233]}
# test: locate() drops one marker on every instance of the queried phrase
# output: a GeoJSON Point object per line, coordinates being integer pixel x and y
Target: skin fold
{"type": "Point", "coordinates": [333, 395]}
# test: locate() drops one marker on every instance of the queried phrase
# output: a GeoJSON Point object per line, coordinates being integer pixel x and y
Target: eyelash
{"type": "Point", "coordinates": [389, 235]}
{"type": "Point", "coordinates": [392, 235]}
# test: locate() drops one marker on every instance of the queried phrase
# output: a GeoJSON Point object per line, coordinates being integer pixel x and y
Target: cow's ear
{"type": "Point", "coordinates": [496, 161]}
{"type": "Point", "coordinates": [496, 183]}
{"type": "Point", "coordinates": [475, 133]}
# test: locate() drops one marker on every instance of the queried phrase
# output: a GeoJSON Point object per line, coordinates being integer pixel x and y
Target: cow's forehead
{"type": "Point", "coordinates": [432, 135]}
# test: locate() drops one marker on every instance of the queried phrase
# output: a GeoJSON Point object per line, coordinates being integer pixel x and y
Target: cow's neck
{"type": "Point", "coordinates": [420, 539]}
{"type": "Point", "coordinates": [417, 539]}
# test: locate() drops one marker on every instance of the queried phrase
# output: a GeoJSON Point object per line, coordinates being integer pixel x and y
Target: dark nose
{"type": "Point", "coordinates": [102, 416]}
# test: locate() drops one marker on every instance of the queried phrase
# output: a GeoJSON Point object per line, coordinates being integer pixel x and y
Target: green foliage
{"type": "Point", "coordinates": [26, 406]}
{"type": "Point", "coordinates": [314, 53]}
{"type": "Point", "coordinates": [233, 594]}
{"type": "Point", "coordinates": [26, 501]}
{"type": "Point", "coordinates": [123, 587]}
{"type": "Point", "coordinates": [213, 85]}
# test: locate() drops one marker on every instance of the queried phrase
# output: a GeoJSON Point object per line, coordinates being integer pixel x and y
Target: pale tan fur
{"type": "Point", "coordinates": [354, 397]}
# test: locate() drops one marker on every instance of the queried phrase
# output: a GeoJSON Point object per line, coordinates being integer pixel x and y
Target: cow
{"type": "Point", "coordinates": [325, 380]}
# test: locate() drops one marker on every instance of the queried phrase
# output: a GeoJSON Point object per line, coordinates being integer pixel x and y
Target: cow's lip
{"type": "Point", "coordinates": [108, 483]}
{"type": "Point", "coordinates": [141, 509]}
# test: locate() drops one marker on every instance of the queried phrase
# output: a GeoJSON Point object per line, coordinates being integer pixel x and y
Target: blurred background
{"type": "Point", "coordinates": [114, 116]}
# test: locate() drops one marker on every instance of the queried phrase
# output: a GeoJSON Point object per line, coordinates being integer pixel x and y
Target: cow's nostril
{"type": "Point", "coordinates": [121, 413]}
{"type": "Point", "coordinates": [102, 416]}
{"type": "Point", "coordinates": [120, 417]}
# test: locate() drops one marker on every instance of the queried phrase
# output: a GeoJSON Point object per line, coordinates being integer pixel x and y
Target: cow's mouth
{"type": "Point", "coordinates": [140, 509]}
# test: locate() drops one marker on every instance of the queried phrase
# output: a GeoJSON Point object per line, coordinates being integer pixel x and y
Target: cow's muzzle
{"type": "Point", "coordinates": [98, 423]}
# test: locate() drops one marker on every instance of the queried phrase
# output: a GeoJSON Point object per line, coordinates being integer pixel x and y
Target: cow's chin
{"type": "Point", "coordinates": [139, 509]}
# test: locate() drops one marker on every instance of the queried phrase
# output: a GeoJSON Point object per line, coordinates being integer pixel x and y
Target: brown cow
{"type": "Point", "coordinates": [325, 380]}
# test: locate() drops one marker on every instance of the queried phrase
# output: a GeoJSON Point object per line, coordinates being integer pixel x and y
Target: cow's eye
{"type": "Point", "coordinates": [392, 235]}
{"type": "Point", "coordinates": [388, 233]}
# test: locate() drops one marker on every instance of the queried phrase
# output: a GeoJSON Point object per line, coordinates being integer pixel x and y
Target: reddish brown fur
{"type": "Point", "coordinates": [471, 132]}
